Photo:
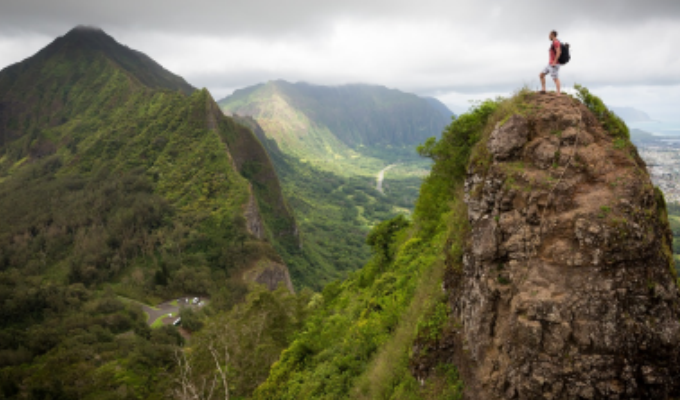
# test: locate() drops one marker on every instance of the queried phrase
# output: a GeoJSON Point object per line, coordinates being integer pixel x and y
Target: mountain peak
{"type": "Point", "coordinates": [88, 37]}
{"type": "Point", "coordinates": [82, 44]}
{"type": "Point", "coordinates": [87, 31]}
{"type": "Point", "coordinates": [351, 116]}
{"type": "Point", "coordinates": [86, 28]}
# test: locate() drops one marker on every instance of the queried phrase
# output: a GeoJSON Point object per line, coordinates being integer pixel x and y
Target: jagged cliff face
{"type": "Point", "coordinates": [567, 289]}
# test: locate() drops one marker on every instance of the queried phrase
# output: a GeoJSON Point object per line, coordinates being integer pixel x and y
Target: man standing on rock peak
{"type": "Point", "coordinates": [553, 67]}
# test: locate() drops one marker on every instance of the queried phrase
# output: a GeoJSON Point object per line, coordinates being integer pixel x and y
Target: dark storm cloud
{"type": "Point", "coordinates": [275, 17]}
{"type": "Point", "coordinates": [451, 49]}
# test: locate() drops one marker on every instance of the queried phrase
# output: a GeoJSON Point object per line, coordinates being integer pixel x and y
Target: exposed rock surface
{"type": "Point", "coordinates": [254, 222]}
{"type": "Point", "coordinates": [567, 289]}
{"type": "Point", "coordinates": [271, 274]}
{"type": "Point", "coordinates": [251, 159]}
{"type": "Point", "coordinates": [508, 139]}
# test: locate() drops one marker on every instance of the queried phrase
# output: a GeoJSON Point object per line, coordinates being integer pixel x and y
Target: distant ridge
{"type": "Point", "coordinates": [313, 121]}
{"type": "Point", "coordinates": [441, 107]}
{"type": "Point", "coordinates": [630, 114]}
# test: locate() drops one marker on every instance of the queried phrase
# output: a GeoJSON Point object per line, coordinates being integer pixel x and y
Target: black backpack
{"type": "Point", "coordinates": [564, 53]}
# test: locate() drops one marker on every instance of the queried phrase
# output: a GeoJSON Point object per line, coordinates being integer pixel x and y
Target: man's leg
{"type": "Point", "coordinates": [557, 83]}
{"type": "Point", "coordinates": [542, 75]}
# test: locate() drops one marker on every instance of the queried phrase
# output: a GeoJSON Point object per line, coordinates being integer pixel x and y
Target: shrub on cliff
{"type": "Point", "coordinates": [610, 121]}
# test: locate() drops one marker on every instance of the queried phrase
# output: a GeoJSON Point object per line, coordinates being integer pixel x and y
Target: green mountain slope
{"type": "Point", "coordinates": [116, 177]}
{"type": "Point", "coordinates": [333, 213]}
{"type": "Point", "coordinates": [336, 124]}
{"type": "Point", "coordinates": [328, 145]}
{"type": "Point", "coordinates": [441, 107]}
{"type": "Point", "coordinates": [358, 339]}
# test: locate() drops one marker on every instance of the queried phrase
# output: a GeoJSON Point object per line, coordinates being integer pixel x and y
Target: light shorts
{"type": "Point", "coordinates": [553, 70]}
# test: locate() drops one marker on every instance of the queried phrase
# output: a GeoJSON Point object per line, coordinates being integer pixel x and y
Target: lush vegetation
{"type": "Point", "coordinates": [333, 196]}
{"type": "Point", "coordinates": [156, 209]}
{"type": "Point", "coordinates": [609, 120]}
{"type": "Point", "coordinates": [110, 185]}
{"type": "Point", "coordinates": [357, 341]}
{"type": "Point", "coordinates": [674, 220]}
{"type": "Point", "coordinates": [334, 213]}
{"type": "Point", "coordinates": [328, 145]}
{"type": "Point", "coordinates": [73, 343]}
{"type": "Point", "coordinates": [236, 348]}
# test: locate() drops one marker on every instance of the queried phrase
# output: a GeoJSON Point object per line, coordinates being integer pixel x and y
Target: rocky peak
{"type": "Point", "coordinates": [567, 288]}
{"type": "Point", "coordinates": [86, 29]}
{"type": "Point", "coordinates": [89, 37]}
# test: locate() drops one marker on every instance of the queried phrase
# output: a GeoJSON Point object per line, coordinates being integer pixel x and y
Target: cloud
{"type": "Point", "coordinates": [275, 17]}
{"type": "Point", "coordinates": [448, 49]}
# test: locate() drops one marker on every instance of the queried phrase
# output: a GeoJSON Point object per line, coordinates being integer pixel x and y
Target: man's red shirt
{"type": "Point", "coordinates": [553, 50]}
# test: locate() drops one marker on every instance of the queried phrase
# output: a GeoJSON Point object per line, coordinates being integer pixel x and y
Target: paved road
{"type": "Point", "coordinates": [164, 308]}
{"type": "Point", "coordinates": [159, 311]}
{"type": "Point", "coordinates": [381, 177]}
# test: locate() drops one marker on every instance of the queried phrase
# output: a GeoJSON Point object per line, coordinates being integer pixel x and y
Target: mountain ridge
{"type": "Point", "coordinates": [89, 38]}
{"type": "Point", "coordinates": [443, 109]}
{"type": "Point", "coordinates": [86, 64]}
{"type": "Point", "coordinates": [631, 114]}
{"type": "Point", "coordinates": [119, 181]}
{"type": "Point", "coordinates": [337, 122]}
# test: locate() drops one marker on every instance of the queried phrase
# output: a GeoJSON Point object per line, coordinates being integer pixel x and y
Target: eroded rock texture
{"type": "Point", "coordinates": [567, 289]}
{"type": "Point", "coordinates": [253, 218]}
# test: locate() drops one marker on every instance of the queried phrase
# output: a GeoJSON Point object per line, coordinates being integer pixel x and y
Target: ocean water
{"type": "Point", "coordinates": [657, 127]}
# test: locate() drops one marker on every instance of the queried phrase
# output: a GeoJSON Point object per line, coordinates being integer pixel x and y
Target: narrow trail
{"type": "Point", "coordinates": [381, 177]}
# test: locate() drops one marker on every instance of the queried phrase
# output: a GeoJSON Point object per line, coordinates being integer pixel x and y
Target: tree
{"type": "Point", "coordinates": [235, 351]}
{"type": "Point", "coordinates": [190, 387]}
{"type": "Point", "coordinates": [382, 236]}
{"type": "Point", "coordinates": [190, 319]}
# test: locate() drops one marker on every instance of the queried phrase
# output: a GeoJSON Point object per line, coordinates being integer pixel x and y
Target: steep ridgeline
{"type": "Point", "coordinates": [334, 122]}
{"type": "Point", "coordinates": [332, 237]}
{"type": "Point", "coordinates": [630, 114]}
{"type": "Point", "coordinates": [541, 224]}
{"type": "Point", "coordinates": [118, 178]}
{"type": "Point", "coordinates": [87, 108]}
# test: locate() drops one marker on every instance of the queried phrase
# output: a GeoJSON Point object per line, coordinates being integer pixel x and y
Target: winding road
{"type": "Point", "coordinates": [164, 308]}
{"type": "Point", "coordinates": [159, 311]}
{"type": "Point", "coordinates": [381, 177]}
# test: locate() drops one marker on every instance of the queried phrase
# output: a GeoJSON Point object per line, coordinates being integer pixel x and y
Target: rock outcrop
{"type": "Point", "coordinates": [568, 289]}
{"type": "Point", "coordinates": [270, 274]}
{"type": "Point", "coordinates": [251, 213]}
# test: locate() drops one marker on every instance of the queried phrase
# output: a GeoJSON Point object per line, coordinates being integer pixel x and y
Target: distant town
{"type": "Point", "coordinates": [662, 155]}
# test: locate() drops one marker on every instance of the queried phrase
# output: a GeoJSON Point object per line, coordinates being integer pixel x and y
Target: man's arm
{"type": "Point", "coordinates": [558, 51]}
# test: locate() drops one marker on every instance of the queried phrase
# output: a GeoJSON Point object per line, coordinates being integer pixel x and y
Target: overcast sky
{"type": "Point", "coordinates": [625, 51]}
